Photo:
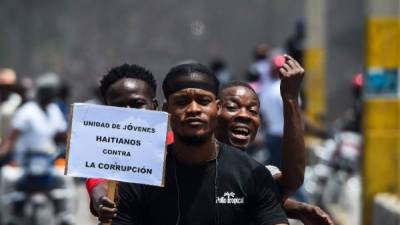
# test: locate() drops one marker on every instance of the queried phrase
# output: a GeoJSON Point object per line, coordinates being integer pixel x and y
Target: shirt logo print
{"type": "Point", "coordinates": [229, 198]}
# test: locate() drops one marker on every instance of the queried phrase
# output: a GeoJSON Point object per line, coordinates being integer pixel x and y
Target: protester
{"type": "Point", "coordinates": [243, 130]}
{"type": "Point", "coordinates": [238, 122]}
{"type": "Point", "coordinates": [129, 86]}
{"type": "Point", "coordinates": [201, 185]}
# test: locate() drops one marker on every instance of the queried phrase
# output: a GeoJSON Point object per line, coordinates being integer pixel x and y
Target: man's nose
{"type": "Point", "coordinates": [194, 107]}
{"type": "Point", "coordinates": [243, 114]}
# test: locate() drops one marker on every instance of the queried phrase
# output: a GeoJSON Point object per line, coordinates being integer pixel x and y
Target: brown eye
{"type": "Point", "coordinates": [253, 112]}
{"type": "Point", "coordinates": [137, 104]}
{"type": "Point", "coordinates": [181, 102]}
{"type": "Point", "coordinates": [204, 101]}
{"type": "Point", "coordinates": [232, 108]}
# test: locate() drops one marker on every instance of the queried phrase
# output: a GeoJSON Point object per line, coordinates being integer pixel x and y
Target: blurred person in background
{"type": "Point", "coordinates": [253, 78]}
{"type": "Point", "coordinates": [26, 88]}
{"type": "Point", "coordinates": [10, 100]}
{"type": "Point", "coordinates": [220, 69]}
{"type": "Point", "coordinates": [261, 63]}
{"type": "Point", "coordinates": [295, 48]}
{"type": "Point", "coordinates": [295, 43]}
{"type": "Point", "coordinates": [353, 117]}
{"type": "Point", "coordinates": [38, 124]}
{"type": "Point", "coordinates": [62, 101]}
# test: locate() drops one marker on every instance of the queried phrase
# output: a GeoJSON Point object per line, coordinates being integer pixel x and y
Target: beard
{"type": "Point", "coordinates": [194, 139]}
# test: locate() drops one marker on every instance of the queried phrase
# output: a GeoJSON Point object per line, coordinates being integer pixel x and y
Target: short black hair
{"type": "Point", "coordinates": [237, 84]}
{"type": "Point", "coordinates": [188, 75]}
{"type": "Point", "coordinates": [128, 71]}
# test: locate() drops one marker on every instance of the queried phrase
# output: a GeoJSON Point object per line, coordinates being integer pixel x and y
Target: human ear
{"type": "Point", "coordinates": [219, 106]}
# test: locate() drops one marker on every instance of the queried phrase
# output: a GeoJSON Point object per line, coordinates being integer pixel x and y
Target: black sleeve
{"type": "Point", "coordinates": [129, 204]}
{"type": "Point", "coordinates": [267, 208]}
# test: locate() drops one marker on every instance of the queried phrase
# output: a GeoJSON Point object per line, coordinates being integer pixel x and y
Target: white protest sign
{"type": "Point", "coordinates": [116, 143]}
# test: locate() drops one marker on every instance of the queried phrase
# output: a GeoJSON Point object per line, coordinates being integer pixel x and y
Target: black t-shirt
{"type": "Point", "coordinates": [233, 189]}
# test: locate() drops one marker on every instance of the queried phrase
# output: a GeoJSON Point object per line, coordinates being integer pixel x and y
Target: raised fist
{"type": "Point", "coordinates": [291, 76]}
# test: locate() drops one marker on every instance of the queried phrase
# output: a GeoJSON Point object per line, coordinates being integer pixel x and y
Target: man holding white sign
{"type": "Point", "coordinates": [207, 182]}
{"type": "Point", "coordinates": [128, 86]}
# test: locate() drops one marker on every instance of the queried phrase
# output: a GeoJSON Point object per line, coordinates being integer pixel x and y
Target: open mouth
{"type": "Point", "coordinates": [242, 133]}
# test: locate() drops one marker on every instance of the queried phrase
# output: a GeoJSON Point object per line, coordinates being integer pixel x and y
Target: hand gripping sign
{"type": "Point", "coordinates": [115, 143]}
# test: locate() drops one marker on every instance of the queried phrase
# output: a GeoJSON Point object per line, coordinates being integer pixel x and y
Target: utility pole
{"type": "Point", "coordinates": [381, 115]}
{"type": "Point", "coordinates": [315, 56]}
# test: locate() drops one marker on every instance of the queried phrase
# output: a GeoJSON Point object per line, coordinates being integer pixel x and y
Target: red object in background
{"type": "Point", "coordinates": [358, 81]}
{"type": "Point", "coordinates": [93, 182]}
{"type": "Point", "coordinates": [279, 61]}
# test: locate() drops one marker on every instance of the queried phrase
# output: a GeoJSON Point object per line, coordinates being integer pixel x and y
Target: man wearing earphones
{"type": "Point", "coordinates": [206, 181]}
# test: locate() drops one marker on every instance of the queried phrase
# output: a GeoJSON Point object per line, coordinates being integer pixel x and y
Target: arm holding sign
{"type": "Point", "coordinates": [100, 205]}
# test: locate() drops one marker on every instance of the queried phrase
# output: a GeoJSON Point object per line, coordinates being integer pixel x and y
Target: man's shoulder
{"type": "Point", "coordinates": [27, 109]}
{"type": "Point", "coordinates": [238, 167]}
{"type": "Point", "coordinates": [237, 158]}
{"type": "Point", "coordinates": [54, 106]}
{"type": "Point", "coordinates": [28, 106]}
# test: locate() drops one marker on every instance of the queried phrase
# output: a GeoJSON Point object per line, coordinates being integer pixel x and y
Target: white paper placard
{"type": "Point", "coordinates": [115, 143]}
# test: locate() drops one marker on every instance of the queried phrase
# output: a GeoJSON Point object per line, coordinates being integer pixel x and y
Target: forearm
{"type": "Point", "coordinates": [306, 213]}
{"type": "Point", "coordinates": [293, 147]}
{"type": "Point", "coordinates": [96, 189]}
{"type": "Point", "coordinates": [292, 208]}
